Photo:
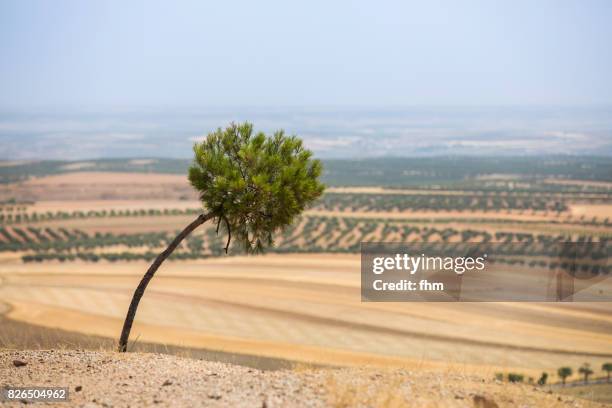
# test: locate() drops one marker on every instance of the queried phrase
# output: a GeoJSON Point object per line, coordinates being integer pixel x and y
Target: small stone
{"type": "Point", "coordinates": [19, 363]}
{"type": "Point", "coordinates": [166, 383]}
{"type": "Point", "coordinates": [78, 388]}
{"type": "Point", "coordinates": [480, 401]}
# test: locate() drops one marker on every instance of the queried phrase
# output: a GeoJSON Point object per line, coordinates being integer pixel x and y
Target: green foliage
{"type": "Point", "coordinates": [585, 370]}
{"type": "Point", "coordinates": [607, 367]}
{"type": "Point", "coordinates": [565, 372]}
{"type": "Point", "coordinates": [464, 201]}
{"type": "Point", "coordinates": [515, 378]}
{"type": "Point", "coordinates": [543, 378]}
{"type": "Point", "coordinates": [254, 183]}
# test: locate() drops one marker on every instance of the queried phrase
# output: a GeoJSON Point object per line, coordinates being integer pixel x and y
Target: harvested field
{"type": "Point", "coordinates": [101, 186]}
{"type": "Point", "coordinates": [303, 308]}
{"type": "Point", "coordinates": [592, 210]}
{"type": "Point", "coordinates": [101, 178]}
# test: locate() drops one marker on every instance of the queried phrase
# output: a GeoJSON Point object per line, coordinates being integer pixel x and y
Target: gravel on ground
{"type": "Point", "coordinates": [110, 379]}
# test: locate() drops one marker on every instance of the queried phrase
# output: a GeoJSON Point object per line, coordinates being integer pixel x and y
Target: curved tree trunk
{"type": "Point", "coordinates": [129, 318]}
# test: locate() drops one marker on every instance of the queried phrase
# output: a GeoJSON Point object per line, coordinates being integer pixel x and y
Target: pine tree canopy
{"type": "Point", "coordinates": [256, 184]}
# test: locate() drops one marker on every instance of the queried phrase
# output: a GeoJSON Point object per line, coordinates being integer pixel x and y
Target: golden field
{"type": "Point", "coordinates": [304, 308]}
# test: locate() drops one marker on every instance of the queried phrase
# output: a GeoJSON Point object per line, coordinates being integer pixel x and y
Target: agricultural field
{"type": "Point", "coordinates": [75, 238]}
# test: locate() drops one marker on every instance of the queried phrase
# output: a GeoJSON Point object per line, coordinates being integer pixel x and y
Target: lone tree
{"type": "Point", "coordinates": [253, 185]}
{"type": "Point", "coordinates": [585, 370]}
{"type": "Point", "coordinates": [607, 367]}
{"type": "Point", "coordinates": [564, 372]}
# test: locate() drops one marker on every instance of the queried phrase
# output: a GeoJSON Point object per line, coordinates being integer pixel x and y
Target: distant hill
{"type": "Point", "coordinates": [433, 172]}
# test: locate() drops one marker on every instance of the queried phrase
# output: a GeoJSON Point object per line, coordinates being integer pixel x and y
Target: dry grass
{"type": "Point", "coordinates": [400, 388]}
{"type": "Point", "coordinates": [595, 392]}
{"type": "Point", "coordinates": [345, 394]}
{"type": "Point", "coordinates": [17, 335]}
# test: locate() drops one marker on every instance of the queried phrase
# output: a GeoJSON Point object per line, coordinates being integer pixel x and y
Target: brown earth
{"type": "Point", "coordinates": [110, 379]}
{"type": "Point", "coordinates": [101, 186]}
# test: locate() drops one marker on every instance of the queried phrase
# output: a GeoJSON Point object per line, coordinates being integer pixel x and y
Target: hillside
{"type": "Point", "coordinates": [112, 379]}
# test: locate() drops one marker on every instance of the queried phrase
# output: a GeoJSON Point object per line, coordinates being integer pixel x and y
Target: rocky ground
{"type": "Point", "coordinates": [108, 379]}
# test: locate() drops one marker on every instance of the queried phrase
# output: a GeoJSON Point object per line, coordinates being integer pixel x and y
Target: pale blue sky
{"type": "Point", "coordinates": [120, 54]}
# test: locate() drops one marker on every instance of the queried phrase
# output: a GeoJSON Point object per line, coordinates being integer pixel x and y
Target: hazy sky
{"type": "Point", "coordinates": [117, 54]}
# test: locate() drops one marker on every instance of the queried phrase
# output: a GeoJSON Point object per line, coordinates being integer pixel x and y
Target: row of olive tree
{"type": "Point", "coordinates": [585, 370]}
{"type": "Point", "coordinates": [442, 202]}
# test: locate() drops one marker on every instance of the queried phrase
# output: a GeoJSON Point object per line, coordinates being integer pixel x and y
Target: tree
{"type": "Point", "coordinates": [253, 185]}
{"type": "Point", "coordinates": [607, 367]}
{"type": "Point", "coordinates": [515, 378]}
{"type": "Point", "coordinates": [543, 378]}
{"type": "Point", "coordinates": [564, 372]}
{"type": "Point", "coordinates": [585, 370]}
